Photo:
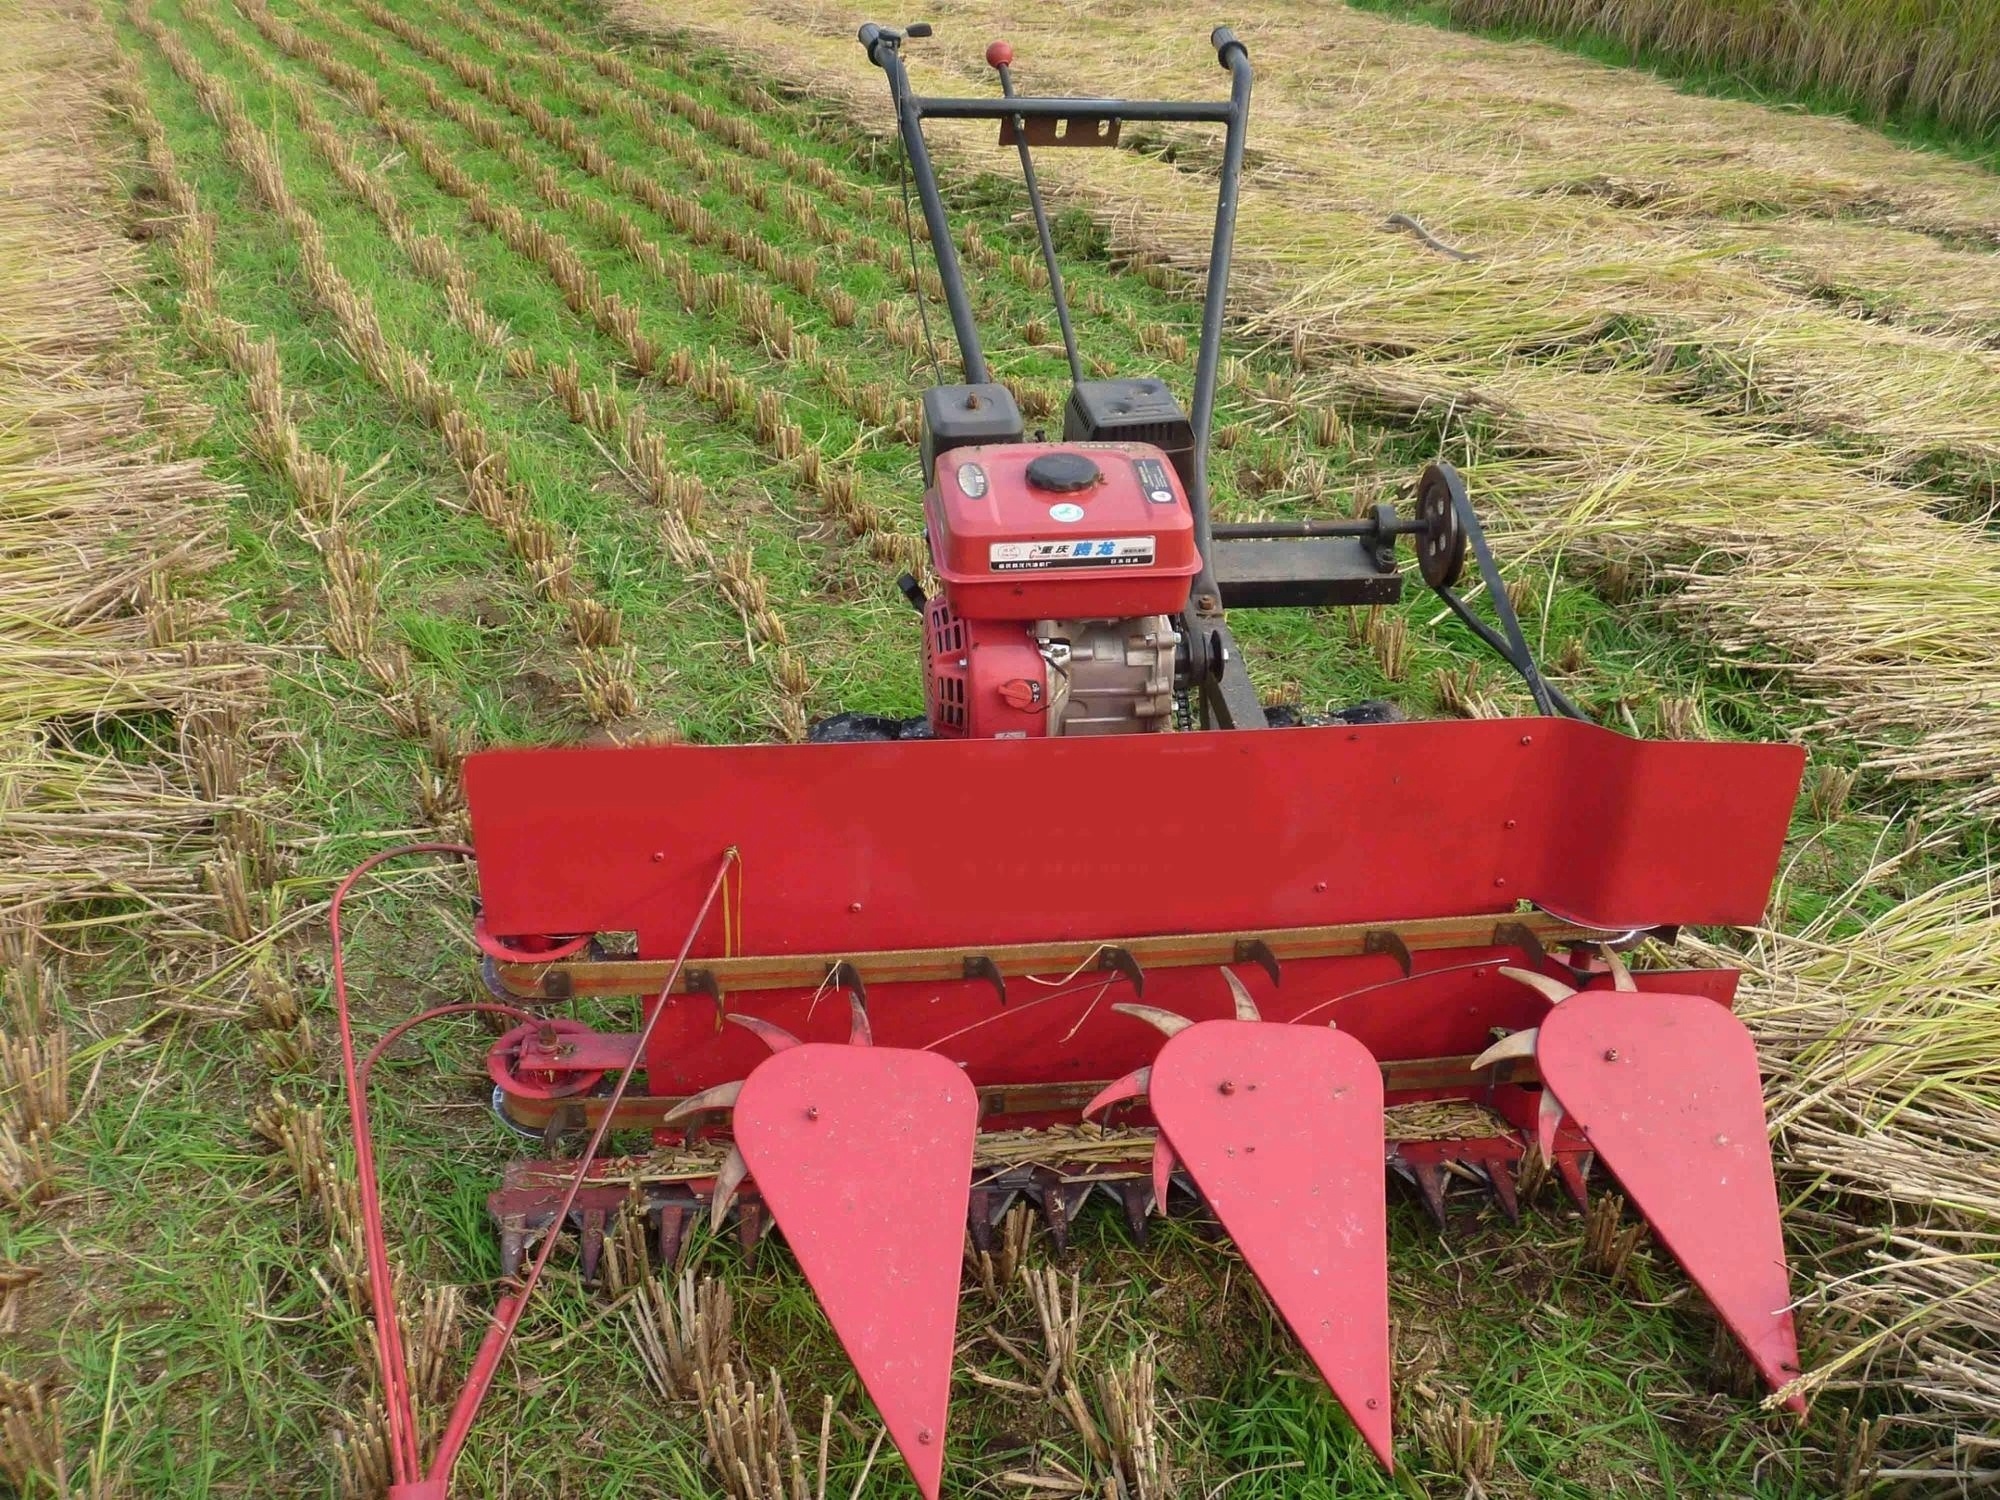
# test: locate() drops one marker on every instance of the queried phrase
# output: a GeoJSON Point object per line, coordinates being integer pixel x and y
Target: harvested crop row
{"type": "Point", "coordinates": [604, 672]}
{"type": "Point", "coordinates": [765, 323]}
{"type": "Point", "coordinates": [602, 412]}
{"type": "Point", "coordinates": [795, 204]}
{"type": "Point", "coordinates": [759, 319]}
{"type": "Point", "coordinates": [994, 278]}
{"type": "Point", "coordinates": [356, 629]}
{"type": "Point", "coordinates": [729, 395]}
{"type": "Point", "coordinates": [250, 901]}
{"type": "Point", "coordinates": [992, 288]}
{"type": "Point", "coordinates": [320, 485]}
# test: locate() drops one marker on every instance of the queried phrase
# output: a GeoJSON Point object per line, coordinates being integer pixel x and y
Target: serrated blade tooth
{"type": "Point", "coordinates": [1514, 1044]}
{"type": "Point", "coordinates": [859, 1032]}
{"type": "Point", "coordinates": [1166, 1022]}
{"type": "Point", "coordinates": [1131, 1086]}
{"type": "Point", "coordinates": [1621, 977]}
{"type": "Point", "coordinates": [774, 1036]}
{"type": "Point", "coordinates": [1246, 1008]}
{"type": "Point", "coordinates": [728, 1178]}
{"type": "Point", "coordinates": [1547, 1117]}
{"type": "Point", "coordinates": [1552, 990]}
{"type": "Point", "coordinates": [722, 1096]}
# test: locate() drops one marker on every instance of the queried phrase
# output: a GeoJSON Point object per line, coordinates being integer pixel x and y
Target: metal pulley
{"type": "Point", "coordinates": [1441, 544]}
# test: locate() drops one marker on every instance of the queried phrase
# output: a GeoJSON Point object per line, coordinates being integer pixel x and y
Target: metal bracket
{"type": "Point", "coordinates": [1257, 951]}
{"type": "Point", "coordinates": [1382, 940]}
{"type": "Point", "coordinates": [1120, 961]}
{"type": "Point", "coordinates": [1061, 130]}
{"type": "Point", "coordinates": [979, 966]}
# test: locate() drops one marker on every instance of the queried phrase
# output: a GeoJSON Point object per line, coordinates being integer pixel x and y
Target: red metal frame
{"type": "Point", "coordinates": [934, 844]}
{"type": "Point", "coordinates": [867, 851]}
{"type": "Point", "coordinates": [1070, 1033]}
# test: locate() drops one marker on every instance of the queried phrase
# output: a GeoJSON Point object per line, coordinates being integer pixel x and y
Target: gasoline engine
{"type": "Point", "coordinates": [1065, 568]}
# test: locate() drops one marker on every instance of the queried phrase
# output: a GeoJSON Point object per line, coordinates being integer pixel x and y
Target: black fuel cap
{"type": "Point", "coordinates": [1063, 473]}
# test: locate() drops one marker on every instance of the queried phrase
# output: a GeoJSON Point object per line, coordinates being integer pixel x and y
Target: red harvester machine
{"type": "Point", "coordinates": [1093, 884]}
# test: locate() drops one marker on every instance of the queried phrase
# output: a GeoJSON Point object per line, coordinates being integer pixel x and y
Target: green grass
{"type": "Point", "coordinates": [197, 1274]}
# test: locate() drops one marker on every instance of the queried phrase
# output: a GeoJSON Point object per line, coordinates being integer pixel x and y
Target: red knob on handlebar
{"type": "Point", "coordinates": [999, 54]}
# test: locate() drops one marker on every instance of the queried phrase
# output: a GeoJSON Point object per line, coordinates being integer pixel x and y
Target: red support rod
{"type": "Point", "coordinates": [409, 1479]}
{"type": "Point", "coordinates": [508, 1313]}
{"type": "Point", "coordinates": [405, 1462]}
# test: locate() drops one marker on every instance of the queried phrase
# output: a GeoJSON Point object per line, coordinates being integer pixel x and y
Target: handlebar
{"type": "Point", "coordinates": [1021, 116]}
{"type": "Point", "coordinates": [1229, 50]}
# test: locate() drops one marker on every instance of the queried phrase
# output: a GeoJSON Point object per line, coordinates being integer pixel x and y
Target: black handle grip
{"type": "Point", "coordinates": [869, 35]}
{"type": "Point", "coordinates": [1223, 39]}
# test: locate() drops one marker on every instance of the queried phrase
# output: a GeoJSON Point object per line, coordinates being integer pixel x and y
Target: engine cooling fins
{"type": "Point", "coordinates": [1667, 1090]}
{"type": "Point", "coordinates": [840, 1141]}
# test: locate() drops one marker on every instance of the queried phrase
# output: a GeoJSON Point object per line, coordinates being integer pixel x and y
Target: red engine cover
{"type": "Point", "coordinates": [984, 679]}
{"type": "Point", "coordinates": [1009, 550]}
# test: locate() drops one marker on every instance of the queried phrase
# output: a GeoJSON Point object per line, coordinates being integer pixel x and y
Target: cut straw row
{"type": "Point", "coordinates": [1879, 1036]}
{"type": "Point", "coordinates": [320, 486]}
{"type": "Point", "coordinates": [604, 670]}
{"type": "Point", "coordinates": [602, 411]}
{"type": "Point", "coordinates": [118, 697]}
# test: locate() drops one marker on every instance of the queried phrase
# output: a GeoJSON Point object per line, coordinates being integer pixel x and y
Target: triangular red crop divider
{"type": "Point", "coordinates": [1281, 1129]}
{"type": "Point", "coordinates": [1667, 1089]}
{"type": "Point", "coordinates": [864, 1157]}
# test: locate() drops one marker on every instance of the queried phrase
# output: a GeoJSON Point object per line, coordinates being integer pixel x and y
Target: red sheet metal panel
{"type": "Point", "coordinates": [942, 843]}
{"type": "Point", "coordinates": [1666, 1088]}
{"type": "Point", "coordinates": [864, 1157]}
{"type": "Point", "coordinates": [1071, 1033]}
{"type": "Point", "coordinates": [1281, 1128]}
